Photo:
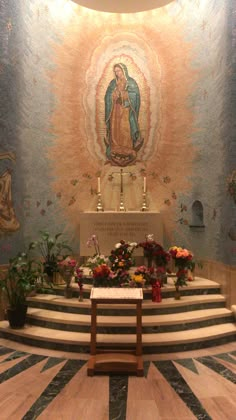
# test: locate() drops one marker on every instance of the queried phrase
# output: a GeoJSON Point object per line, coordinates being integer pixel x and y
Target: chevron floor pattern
{"type": "Point", "coordinates": [45, 384]}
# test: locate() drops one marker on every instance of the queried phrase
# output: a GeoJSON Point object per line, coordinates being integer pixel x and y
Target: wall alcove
{"type": "Point", "coordinates": [197, 216]}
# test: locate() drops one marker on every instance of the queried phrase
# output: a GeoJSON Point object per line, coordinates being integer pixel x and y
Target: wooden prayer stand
{"type": "Point", "coordinates": [116, 362]}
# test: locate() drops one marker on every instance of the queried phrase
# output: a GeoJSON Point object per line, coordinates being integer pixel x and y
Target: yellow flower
{"type": "Point", "coordinates": [138, 278]}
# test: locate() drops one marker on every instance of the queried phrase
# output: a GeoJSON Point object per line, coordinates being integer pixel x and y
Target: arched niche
{"type": "Point", "coordinates": [197, 222]}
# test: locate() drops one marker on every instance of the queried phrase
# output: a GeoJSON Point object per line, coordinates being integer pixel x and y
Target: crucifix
{"type": "Point", "coordinates": [122, 173]}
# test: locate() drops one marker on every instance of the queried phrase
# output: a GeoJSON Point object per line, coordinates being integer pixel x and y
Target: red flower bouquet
{"type": "Point", "coordinates": [103, 276]}
{"type": "Point", "coordinates": [154, 252]}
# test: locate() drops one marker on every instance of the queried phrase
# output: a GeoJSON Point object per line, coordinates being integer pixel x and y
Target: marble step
{"type": "Point", "coordinates": [127, 324]}
{"type": "Point", "coordinates": [167, 306]}
{"type": "Point", "coordinates": [152, 343]}
{"type": "Point", "coordinates": [199, 286]}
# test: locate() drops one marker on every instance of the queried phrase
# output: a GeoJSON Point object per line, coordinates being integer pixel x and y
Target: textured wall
{"type": "Point", "coordinates": [56, 61]}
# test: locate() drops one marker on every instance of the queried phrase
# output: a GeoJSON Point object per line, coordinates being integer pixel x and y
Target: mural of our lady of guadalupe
{"type": "Point", "coordinates": [122, 103]}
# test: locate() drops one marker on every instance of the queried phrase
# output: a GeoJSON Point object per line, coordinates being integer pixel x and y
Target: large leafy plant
{"type": "Point", "coordinates": [52, 249]}
{"type": "Point", "coordinates": [19, 279]}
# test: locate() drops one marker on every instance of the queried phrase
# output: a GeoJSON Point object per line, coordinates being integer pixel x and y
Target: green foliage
{"type": "Point", "coordinates": [180, 281]}
{"type": "Point", "coordinates": [52, 250]}
{"type": "Point", "coordinates": [19, 279]}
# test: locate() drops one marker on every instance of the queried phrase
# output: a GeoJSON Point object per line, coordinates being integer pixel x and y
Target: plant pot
{"type": "Point", "coordinates": [58, 279]}
{"type": "Point", "coordinates": [49, 271]}
{"type": "Point", "coordinates": [17, 316]}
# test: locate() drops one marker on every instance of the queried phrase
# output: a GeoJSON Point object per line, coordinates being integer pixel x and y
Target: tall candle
{"type": "Point", "coordinates": [144, 184]}
{"type": "Point", "coordinates": [121, 180]}
{"type": "Point", "coordinates": [99, 185]}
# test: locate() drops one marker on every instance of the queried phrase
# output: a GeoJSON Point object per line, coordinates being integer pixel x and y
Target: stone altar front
{"type": "Point", "coordinates": [111, 227]}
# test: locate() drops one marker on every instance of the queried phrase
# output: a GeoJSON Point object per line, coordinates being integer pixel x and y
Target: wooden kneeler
{"type": "Point", "coordinates": [116, 362]}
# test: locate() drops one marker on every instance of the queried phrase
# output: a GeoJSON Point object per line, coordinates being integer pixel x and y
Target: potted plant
{"type": "Point", "coordinates": [52, 250]}
{"type": "Point", "coordinates": [17, 282]}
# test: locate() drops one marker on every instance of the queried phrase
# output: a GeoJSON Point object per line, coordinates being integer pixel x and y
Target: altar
{"type": "Point", "coordinates": [111, 227]}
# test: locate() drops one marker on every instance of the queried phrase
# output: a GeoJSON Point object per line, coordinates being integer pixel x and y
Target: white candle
{"type": "Point", "coordinates": [99, 185]}
{"type": "Point", "coordinates": [121, 180]}
{"type": "Point", "coordinates": [144, 184]}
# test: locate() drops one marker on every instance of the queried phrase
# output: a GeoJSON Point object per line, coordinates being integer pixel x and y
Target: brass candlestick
{"type": "Point", "coordinates": [122, 207]}
{"type": "Point", "coordinates": [99, 204]}
{"type": "Point", "coordinates": [144, 205]}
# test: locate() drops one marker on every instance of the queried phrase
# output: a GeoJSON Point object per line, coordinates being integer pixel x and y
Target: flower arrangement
{"type": "Point", "coordinates": [122, 278]}
{"type": "Point", "coordinates": [148, 274]}
{"type": "Point", "coordinates": [121, 256]}
{"type": "Point", "coordinates": [153, 251]}
{"type": "Point", "coordinates": [93, 242]}
{"type": "Point", "coordinates": [183, 257]}
{"type": "Point", "coordinates": [137, 280]}
{"type": "Point", "coordinates": [103, 276]}
{"type": "Point", "coordinates": [97, 258]}
{"type": "Point", "coordinates": [67, 268]}
{"type": "Point", "coordinates": [95, 261]}
{"type": "Point", "coordinates": [181, 277]}
{"type": "Point", "coordinates": [183, 261]}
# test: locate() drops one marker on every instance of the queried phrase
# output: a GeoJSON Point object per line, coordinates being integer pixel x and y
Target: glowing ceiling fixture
{"type": "Point", "coordinates": [61, 9]}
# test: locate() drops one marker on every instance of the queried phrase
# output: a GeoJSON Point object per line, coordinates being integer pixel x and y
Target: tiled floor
{"type": "Point", "coordinates": [47, 384]}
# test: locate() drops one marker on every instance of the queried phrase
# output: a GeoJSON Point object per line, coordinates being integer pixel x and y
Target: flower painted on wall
{"type": "Point", "coordinates": [182, 221]}
{"type": "Point", "coordinates": [87, 175]}
{"type": "Point", "coordinates": [183, 207]}
{"type": "Point", "coordinates": [143, 171]}
{"type": "Point", "coordinates": [74, 182]}
{"type": "Point", "coordinates": [72, 201]}
{"type": "Point", "coordinates": [231, 185]}
{"type": "Point", "coordinates": [166, 179]}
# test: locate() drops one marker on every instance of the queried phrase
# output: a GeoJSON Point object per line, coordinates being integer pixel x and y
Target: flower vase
{"type": "Point", "coordinates": [81, 294]}
{"type": "Point", "coordinates": [156, 292]}
{"type": "Point", "coordinates": [68, 292]}
{"type": "Point", "coordinates": [177, 294]}
{"type": "Point", "coordinates": [148, 260]}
